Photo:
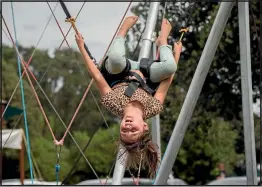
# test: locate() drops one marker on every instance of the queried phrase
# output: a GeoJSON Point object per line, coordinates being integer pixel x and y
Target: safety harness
{"type": "Point", "coordinates": [133, 84]}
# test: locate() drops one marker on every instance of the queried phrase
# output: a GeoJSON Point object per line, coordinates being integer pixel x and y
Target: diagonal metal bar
{"type": "Point", "coordinates": [193, 93]}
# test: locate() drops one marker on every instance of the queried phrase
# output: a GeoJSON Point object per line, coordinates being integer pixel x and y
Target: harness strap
{"type": "Point", "coordinates": [142, 82]}
{"type": "Point", "coordinates": [143, 66]}
{"type": "Point", "coordinates": [132, 87]}
{"type": "Point", "coordinates": [134, 84]}
{"type": "Point", "coordinates": [113, 79]}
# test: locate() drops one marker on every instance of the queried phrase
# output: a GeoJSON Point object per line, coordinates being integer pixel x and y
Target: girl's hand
{"type": "Point", "coordinates": [79, 40]}
{"type": "Point", "coordinates": [177, 50]}
{"type": "Point", "coordinates": [177, 47]}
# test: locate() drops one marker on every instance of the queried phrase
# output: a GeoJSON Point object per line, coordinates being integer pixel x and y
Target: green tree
{"type": "Point", "coordinates": [221, 93]}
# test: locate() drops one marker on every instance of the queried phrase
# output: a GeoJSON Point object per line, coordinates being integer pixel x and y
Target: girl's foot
{"type": "Point", "coordinates": [127, 24]}
{"type": "Point", "coordinates": [165, 30]}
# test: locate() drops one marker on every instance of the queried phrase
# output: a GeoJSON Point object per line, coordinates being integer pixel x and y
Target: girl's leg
{"type": "Point", "coordinates": [167, 65]}
{"type": "Point", "coordinates": [116, 62]}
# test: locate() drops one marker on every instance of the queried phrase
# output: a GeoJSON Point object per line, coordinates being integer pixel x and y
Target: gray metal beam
{"type": "Point", "coordinates": [119, 169]}
{"type": "Point", "coordinates": [150, 28]}
{"type": "Point", "coordinates": [144, 53]}
{"type": "Point", "coordinates": [193, 92]}
{"type": "Point", "coordinates": [155, 127]}
{"type": "Point", "coordinates": [246, 87]}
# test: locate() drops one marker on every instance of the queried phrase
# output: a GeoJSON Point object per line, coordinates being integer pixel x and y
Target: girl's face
{"type": "Point", "coordinates": [131, 127]}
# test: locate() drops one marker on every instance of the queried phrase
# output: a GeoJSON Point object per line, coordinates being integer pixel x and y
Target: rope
{"type": "Point", "coordinates": [24, 139]}
{"type": "Point", "coordinates": [64, 125]}
{"type": "Point", "coordinates": [78, 159]}
{"type": "Point", "coordinates": [90, 84]}
{"type": "Point", "coordinates": [23, 102]}
{"type": "Point", "coordinates": [72, 21]}
{"type": "Point", "coordinates": [29, 61]}
{"type": "Point", "coordinates": [28, 65]}
{"type": "Point", "coordinates": [71, 25]}
{"type": "Point", "coordinates": [34, 51]}
{"type": "Point", "coordinates": [55, 141]}
{"type": "Point", "coordinates": [85, 94]}
{"type": "Point", "coordinates": [34, 161]}
{"type": "Point", "coordinates": [42, 90]}
{"type": "Point", "coordinates": [94, 98]}
{"type": "Point", "coordinates": [30, 82]}
{"type": "Point", "coordinates": [60, 119]}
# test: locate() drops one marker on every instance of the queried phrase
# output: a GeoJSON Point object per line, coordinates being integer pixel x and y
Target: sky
{"type": "Point", "coordinates": [97, 22]}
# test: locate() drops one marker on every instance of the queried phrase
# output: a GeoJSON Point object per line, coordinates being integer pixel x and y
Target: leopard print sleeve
{"type": "Point", "coordinates": [110, 103]}
{"type": "Point", "coordinates": [153, 108]}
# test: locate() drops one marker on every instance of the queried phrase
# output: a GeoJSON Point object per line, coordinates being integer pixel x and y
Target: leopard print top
{"type": "Point", "coordinates": [116, 100]}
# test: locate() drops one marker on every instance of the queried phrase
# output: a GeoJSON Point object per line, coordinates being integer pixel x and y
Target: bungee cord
{"type": "Point", "coordinates": [29, 61]}
{"type": "Point", "coordinates": [23, 100]}
{"type": "Point", "coordinates": [67, 130]}
{"type": "Point", "coordinates": [92, 79]}
{"type": "Point", "coordinates": [47, 97]}
{"type": "Point", "coordinates": [85, 94]}
{"type": "Point", "coordinates": [42, 110]}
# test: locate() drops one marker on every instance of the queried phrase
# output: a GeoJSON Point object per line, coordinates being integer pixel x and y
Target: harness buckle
{"type": "Point", "coordinates": [132, 86]}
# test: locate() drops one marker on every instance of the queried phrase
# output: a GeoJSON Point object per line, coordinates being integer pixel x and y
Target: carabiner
{"type": "Point", "coordinates": [183, 30]}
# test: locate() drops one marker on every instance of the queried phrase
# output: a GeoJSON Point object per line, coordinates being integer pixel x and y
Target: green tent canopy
{"type": "Point", "coordinates": [12, 111]}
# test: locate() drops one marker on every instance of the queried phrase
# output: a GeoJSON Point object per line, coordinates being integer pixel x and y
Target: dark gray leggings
{"type": "Point", "coordinates": [159, 71]}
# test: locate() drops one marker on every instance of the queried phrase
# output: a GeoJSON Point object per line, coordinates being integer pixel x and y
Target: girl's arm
{"type": "Point", "coordinates": [164, 85]}
{"type": "Point", "coordinates": [101, 83]}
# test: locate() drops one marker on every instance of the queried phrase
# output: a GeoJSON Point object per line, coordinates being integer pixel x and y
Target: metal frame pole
{"type": "Point", "coordinates": [193, 92]}
{"type": "Point", "coordinates": [148, 34]}
{"type": "Point", "coordinates": [119, 169]}
{"type": "Point", "coordinates": [246, 87]}
{"type": "Point", "coordinates": [155, 127]}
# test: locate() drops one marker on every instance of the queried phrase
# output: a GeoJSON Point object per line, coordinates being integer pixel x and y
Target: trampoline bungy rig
{"type": "Point", "coordinates": [148, 50]}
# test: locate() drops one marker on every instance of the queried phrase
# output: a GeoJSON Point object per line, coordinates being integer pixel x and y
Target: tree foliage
{"type": "Point", "coordinates": [219, 106]}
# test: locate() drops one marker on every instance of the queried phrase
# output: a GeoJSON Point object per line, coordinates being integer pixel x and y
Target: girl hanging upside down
{"type": "Point", "coordinates": [134, 103]}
